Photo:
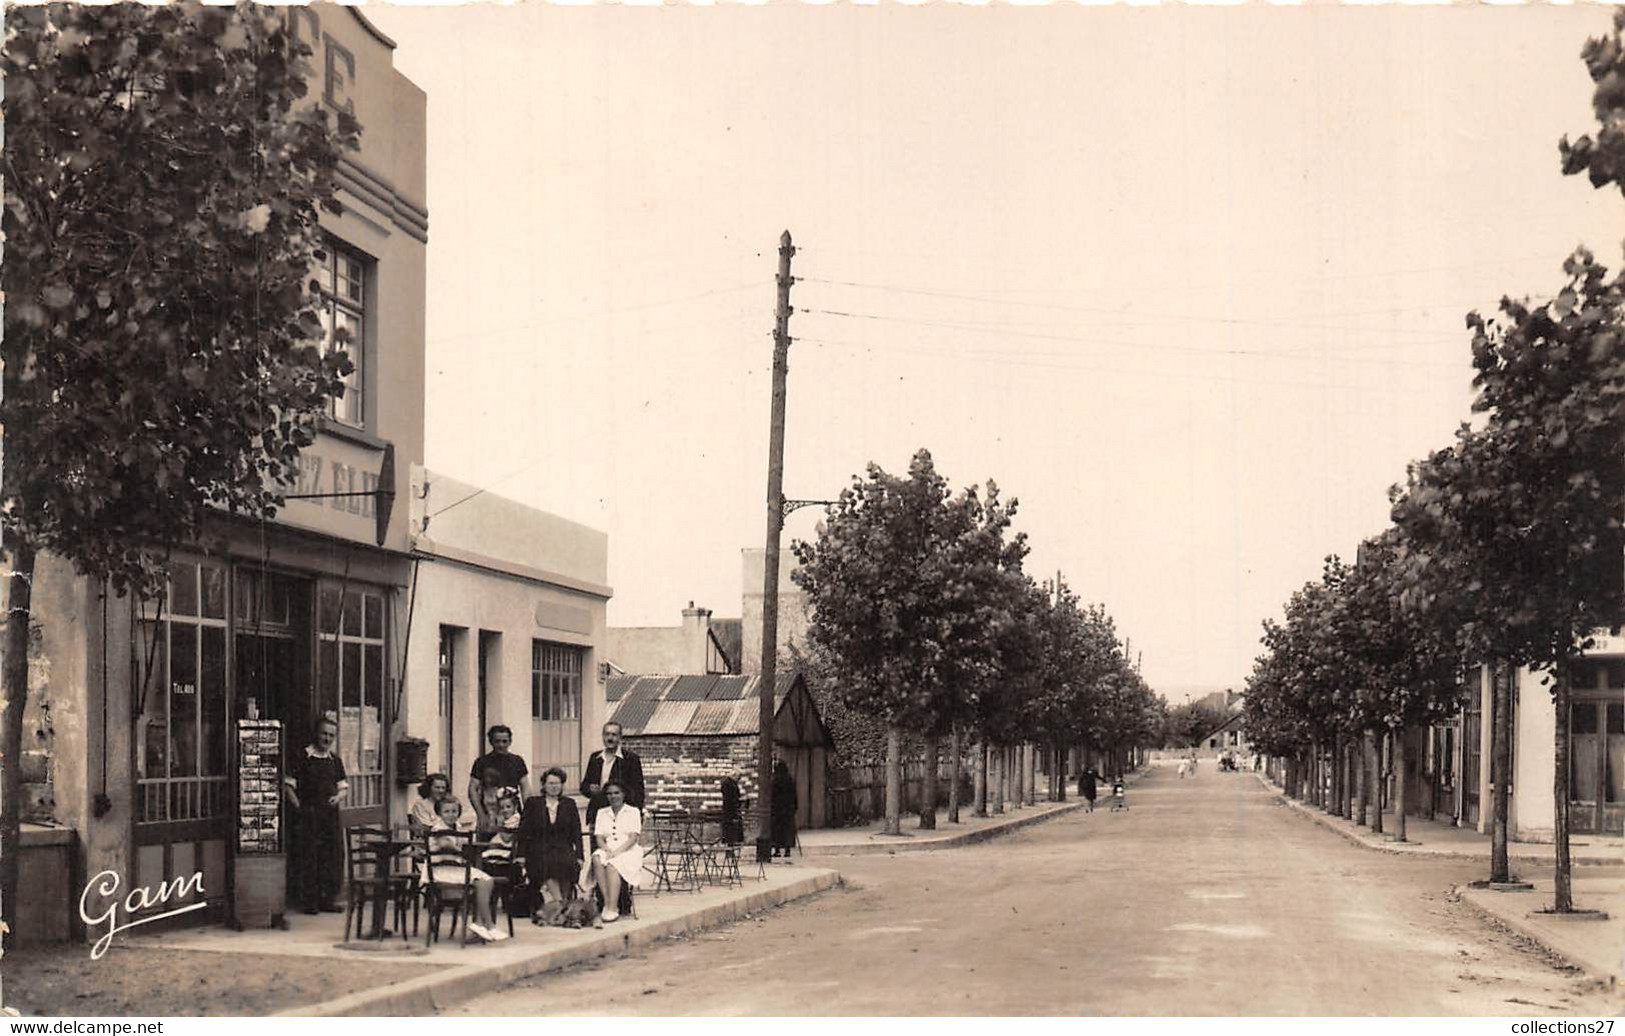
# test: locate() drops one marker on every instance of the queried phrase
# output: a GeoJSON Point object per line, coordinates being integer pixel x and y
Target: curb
{"type": "Point", "coordinates": [1398, 848]}
{"type": "Point", "coordinates": [429, 994]}
{"type": "Point", "coordinates": [982, 834]}
{"type": "Point", "coordinates": [1611, 972]}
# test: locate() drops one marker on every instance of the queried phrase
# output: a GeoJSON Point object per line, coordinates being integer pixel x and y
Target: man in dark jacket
{"type": "Point", "coordinates": [613, 762]}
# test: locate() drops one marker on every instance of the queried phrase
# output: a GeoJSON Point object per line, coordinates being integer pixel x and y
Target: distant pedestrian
{"type": "Point", "coordinates": [783, 810]}
{"type": "Point", "coordinates": [1088, 786]}
{"type": "Point", "coordinates": [1184, 768]}
{"type": "Point", "coordinates": [1119, 795]}
{"type": "Point", "coordinates": [733, 818]}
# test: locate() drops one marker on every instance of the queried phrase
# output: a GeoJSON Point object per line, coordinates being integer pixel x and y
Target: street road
{"type": "Point", "coordinates": [1207, 897]}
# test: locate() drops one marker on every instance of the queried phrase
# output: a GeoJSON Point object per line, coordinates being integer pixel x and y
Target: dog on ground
{"type": "Point", "coordinates": [580, 911]}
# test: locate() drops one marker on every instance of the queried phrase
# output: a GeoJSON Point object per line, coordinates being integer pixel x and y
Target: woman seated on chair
{"type": "Point", "coordinates": [550, 840]}
{"type": "Point", "coordinates": [446, 853]}
{"type": "Point", "coordinates": [619, 857]}
{"type": "Point", "coordinates": [426, 810]}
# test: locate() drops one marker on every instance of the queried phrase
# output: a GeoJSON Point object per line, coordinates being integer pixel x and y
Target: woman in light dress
{"type": "Point", "coordinates": [618, 857]}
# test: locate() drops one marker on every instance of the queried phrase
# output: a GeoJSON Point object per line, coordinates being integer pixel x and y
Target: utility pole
{"type": "Point", "coordinates": [770, 567]}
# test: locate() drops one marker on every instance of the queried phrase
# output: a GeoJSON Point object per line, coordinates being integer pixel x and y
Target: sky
{"type": "Point", "coordinates": [1189, 283]}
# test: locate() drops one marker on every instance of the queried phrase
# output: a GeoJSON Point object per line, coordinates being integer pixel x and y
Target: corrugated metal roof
{"type": "Point", "coordinates": [712, 717]}
{"type": "Point", "coordinates": [693, 705]}
{"type": "Point", "coordinates": [633, 715]}
{"type": "Point", "coordinates": [746, 714]}
{"type": "Point", "coordinates": [671, 717]}
{"type": "Point", "coordinates": [730, 687]}
{"type": "Point", "coordinates": [691, 688]}
{"type": "Point", "coordinates": [650, 688]}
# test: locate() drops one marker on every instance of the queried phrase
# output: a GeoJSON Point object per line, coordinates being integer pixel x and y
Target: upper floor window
{"type": "Point", "coordinates": [341, 276]}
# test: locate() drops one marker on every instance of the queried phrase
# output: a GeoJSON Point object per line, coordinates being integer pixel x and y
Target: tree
{"type": "Point", "coordinates": [970, 569]}
{"type": "Point", "coordinates": [163, 184]}
{"type": "Point", "coordinates": [1446, 521]}
{"type": "Point", "coordinates": [983, 568]}
{"type": "Point", "coordinates": [883, 581]}
{"type": "Point", "coordinates": [1401, 669]}
{"type": "Point", "coordinates": [1192, 721]}
{"type": "Point", "coordinates": [1535, 501]}
{"type": "Point", "coordinates": [1603, 159]}
{"type": "Point", "coordinates": [1080, 658]}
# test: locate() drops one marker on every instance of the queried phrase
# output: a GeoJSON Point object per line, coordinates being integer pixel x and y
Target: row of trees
{"type": "Point", "coordinates": [1506, 547]}
{"type": "Point", "coordinates": [924, 618]}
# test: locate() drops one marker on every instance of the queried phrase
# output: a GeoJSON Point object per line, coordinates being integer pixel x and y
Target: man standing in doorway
{"type": "Point", "coordinates": [495, 775]}
{"type": "Point", "coordinates": [315, 785]}
{"type": "Point", "coordinates": [612, 763]}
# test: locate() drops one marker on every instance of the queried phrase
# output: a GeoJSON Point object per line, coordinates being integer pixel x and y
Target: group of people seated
{"type": "Point", "coordinates": [536, 841]}
{"type": "Point", "coordinates": [539, 843]}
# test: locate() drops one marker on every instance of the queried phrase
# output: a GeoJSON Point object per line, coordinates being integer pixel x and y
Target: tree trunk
{"type": "Point", "coordinates": [894, 780]}
{"type": "Point", "coordinates": [1373, 758]}
{"type": "Point", "coordinates": [1401, 751]}
{"type": "Point", "coordinates": [14, 690]}
{"type": "Point", "coordinates": [995, 780]}
{"type": "Point", "coordinates": [980, 790]}
{"type": "Point", "coordinates": [1562, 888]}
{"type": "Point", "coordinates": [1314, 773]}
{"type": "Point", "coordinates": [1058, 781]}
{"type": "Point", "coordinates": [928, 807]}
{"type": "Point", "coordinates": [1357, 760]}
{"type": "Point", "coordinates": [1334, 762]}
{"type": "Point", "coordinates": [955, 768]}
{"type": "Point", "coordinates": [1500, 769]}
{"type": "Point", "coordinates": [1032, 773]}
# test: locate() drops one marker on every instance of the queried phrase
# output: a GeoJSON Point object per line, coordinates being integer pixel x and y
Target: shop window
{"type": "Point", "coordinates": [182, 742]}
{"type": "Point", "coordinates": [350, 685]}
{"type": "Point", "coordinates": [555, 681]}
{"type": "Point", "coordinates": [341, 279]}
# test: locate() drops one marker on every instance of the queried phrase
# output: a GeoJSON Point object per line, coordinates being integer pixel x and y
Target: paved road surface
{"type": "Point", "coordinates": [1207, 897]}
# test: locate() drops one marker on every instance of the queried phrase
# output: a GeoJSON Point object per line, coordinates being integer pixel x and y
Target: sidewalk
{"type": "Point", "coordinates": [856, 841]}
{"type": "Point", "coordinates": [462, 972]}
{"type": "Point", "coordinates": [1441, 840]}
{"type": "Point", "coordinates": [1595, 945]}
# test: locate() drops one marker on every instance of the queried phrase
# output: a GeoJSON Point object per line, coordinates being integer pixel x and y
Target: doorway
{"type": "Point", "coordinates": [1597, 747]}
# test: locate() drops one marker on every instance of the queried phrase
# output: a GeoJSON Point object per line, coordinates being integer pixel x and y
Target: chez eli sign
{"type": "Point", "coordinates": [345, 497]}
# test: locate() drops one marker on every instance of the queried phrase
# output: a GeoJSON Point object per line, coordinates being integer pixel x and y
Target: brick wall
{"type": "Point", "coordinates": [687, 772]}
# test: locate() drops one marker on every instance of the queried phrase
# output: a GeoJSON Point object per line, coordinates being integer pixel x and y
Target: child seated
{"type": "Point", "coordinates": [498, 855]}
{"type": "Point", "coordinates": [446, 853]}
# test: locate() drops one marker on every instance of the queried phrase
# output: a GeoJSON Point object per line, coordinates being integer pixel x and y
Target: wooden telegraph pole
{"type": "Point", "coordinates": [770, 568]}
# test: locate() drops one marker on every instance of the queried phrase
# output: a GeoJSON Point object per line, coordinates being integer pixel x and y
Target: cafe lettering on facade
{"type": "Point", "coordinates": [169, 719]}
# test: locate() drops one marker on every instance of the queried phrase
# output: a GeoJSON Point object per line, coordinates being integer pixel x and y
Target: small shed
{"type": "Point", "coordinates": [691, 731]}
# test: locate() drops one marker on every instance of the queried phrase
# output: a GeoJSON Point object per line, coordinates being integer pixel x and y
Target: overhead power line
{"type": "Point", "coordinates": [1118, 343]}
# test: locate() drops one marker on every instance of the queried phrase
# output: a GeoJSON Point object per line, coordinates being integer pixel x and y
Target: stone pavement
{"type": "Point", "coordinates": [1595, 944]}
{"type": "Point", "coordinates": [852, 841]}
{"type": "Point", "coordinates": [474, 969]}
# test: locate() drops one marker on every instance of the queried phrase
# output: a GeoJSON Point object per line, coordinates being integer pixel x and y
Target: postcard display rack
{"type": "Point", "coordinates": [260, 881]}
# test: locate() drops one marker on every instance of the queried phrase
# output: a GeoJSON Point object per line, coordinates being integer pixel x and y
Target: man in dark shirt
{"type": "Point", "coordinates": [495, 774]}
{"type": "Point", "coordinates": [613, 762]}
{"type": "Point", "coordinates": [315, 785]}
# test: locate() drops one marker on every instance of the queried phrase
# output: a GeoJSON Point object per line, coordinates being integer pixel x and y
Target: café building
{"type": "Point", "coordinates": [157, 729]}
